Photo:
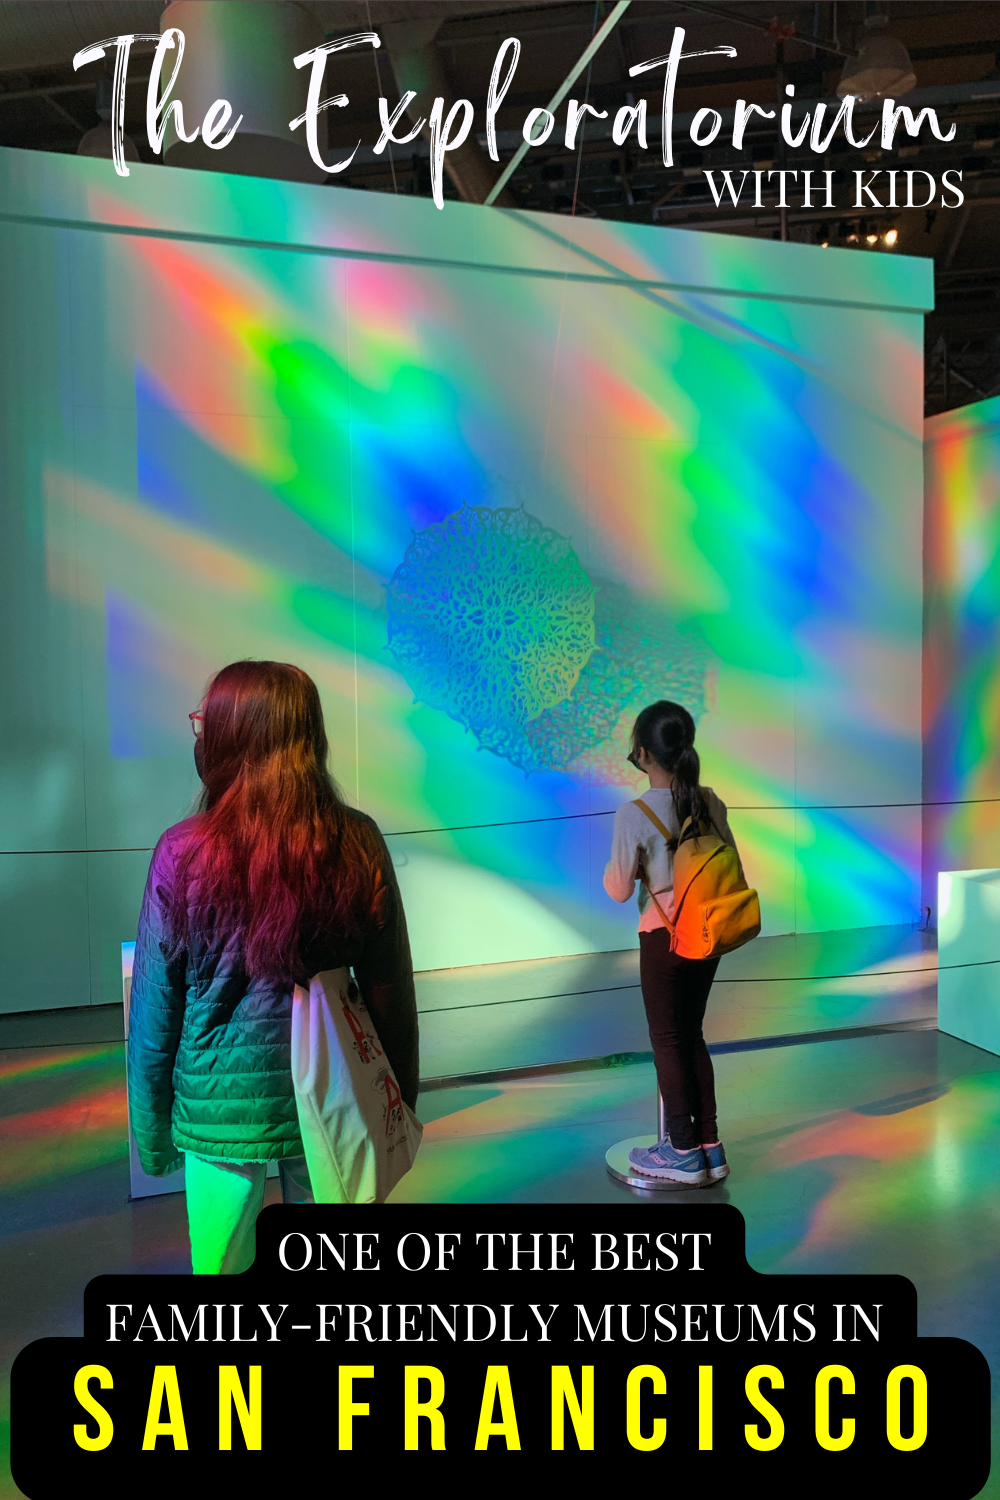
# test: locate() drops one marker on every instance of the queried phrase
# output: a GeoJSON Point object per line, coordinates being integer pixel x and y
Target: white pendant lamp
{"type": "Point", "coordinates": [881, 66]}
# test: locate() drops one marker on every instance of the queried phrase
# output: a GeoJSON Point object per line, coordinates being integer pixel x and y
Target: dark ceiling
{"type": "Point", "coordinates": [953, 45]}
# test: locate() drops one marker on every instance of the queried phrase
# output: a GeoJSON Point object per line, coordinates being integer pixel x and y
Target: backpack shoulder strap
{"type": "Point", "coordinates": [671, 845]}
{"type": "Point", "coordinates": [657, 824]}
{"type": "Point", "coordinates": [652, 896]}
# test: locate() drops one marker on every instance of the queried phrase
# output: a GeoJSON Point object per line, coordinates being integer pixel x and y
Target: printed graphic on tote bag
{"type": "Point", "coordinates": [365, 1041]}
{"type": "Point", "coordinates": [393, 1108]}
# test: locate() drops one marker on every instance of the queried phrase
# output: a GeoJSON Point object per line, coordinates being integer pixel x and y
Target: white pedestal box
{"type": "Point", "coordinates": [969, 956]}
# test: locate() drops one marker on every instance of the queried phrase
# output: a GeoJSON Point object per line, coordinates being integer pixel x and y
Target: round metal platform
{"type": "Point", "coordinates": [621, 1169]}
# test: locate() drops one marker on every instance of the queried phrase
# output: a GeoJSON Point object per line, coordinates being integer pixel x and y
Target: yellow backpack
{"type": "Point", "coordinates": [715, 910]}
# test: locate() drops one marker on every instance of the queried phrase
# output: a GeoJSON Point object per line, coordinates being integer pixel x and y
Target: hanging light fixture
{"type": "Point", "coordinates": [97, 142]}
{"type": "Point", "coordinates": [881, 65]}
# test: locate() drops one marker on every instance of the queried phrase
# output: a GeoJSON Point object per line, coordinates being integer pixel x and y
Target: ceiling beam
{"type": "Point", "coordinates": [557, 98]}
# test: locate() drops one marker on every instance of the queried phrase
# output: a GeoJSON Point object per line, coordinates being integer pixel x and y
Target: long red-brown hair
{"type": "Point", "coordinates": [275, 861]}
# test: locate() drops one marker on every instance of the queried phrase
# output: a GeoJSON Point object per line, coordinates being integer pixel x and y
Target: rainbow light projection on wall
{"type": "Point", "coordinates": [962, 642]}
{"type": "Point", "coordinates": [692, 463]}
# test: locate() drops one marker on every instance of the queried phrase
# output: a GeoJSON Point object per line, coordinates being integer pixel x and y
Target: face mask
{"type": "Point", "coordinates": [199, 756]}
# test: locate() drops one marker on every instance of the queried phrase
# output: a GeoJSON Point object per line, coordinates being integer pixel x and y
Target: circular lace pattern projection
{"type": "Point", "coordinates": [491, 620]}
{"type": "Point", "coordinates": [639, 657]}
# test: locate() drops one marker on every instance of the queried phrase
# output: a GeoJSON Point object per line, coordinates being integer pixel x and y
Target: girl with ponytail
{"type": "Point", "coordinates": [675, 990]}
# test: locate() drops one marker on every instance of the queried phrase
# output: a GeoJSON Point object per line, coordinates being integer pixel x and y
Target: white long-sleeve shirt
{"type": "Point", "coordinates": [637, 841]}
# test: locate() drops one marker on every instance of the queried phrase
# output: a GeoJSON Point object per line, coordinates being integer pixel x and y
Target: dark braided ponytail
{"type": "Point", "coordinates": [666, 732]}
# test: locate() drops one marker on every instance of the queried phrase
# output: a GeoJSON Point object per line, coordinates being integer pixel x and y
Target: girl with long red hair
{"type": "Point", "coordinates": [273, 880]}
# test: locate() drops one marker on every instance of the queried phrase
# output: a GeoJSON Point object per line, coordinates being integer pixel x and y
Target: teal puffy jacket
{"type": "Point", "coordinates": [209, 1047]}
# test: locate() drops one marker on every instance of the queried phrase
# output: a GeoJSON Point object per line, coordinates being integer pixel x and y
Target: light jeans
{"type": "Point", "coordinates": [223, 1201]}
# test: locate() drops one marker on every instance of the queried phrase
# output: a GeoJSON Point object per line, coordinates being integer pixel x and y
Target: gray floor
{"type": "Point", "coordinates": [877, 1153]}
{"type": "Point", "coordinates": [873, 1149]}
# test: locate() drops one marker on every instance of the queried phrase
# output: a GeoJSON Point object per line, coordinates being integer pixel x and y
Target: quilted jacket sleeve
{"type": "Point", "coordinates": [384, 972]}
{"type": "Point", "coordinates": [156, 1013]}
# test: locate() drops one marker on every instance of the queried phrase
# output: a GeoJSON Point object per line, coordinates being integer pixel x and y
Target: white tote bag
{"type": "Point", "coordinates": [359, 1135]}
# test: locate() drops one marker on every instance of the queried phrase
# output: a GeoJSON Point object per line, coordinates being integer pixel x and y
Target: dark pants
{"type": "Point", "coordinates": [675, 993]}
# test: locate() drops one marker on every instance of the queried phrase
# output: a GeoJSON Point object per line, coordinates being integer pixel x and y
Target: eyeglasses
{"type": "Point", "coordinates": [197, 722]}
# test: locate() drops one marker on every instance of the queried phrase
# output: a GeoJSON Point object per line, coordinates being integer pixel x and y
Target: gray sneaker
{"type": "Point", "coordinates": [662, 1160]}
{"type": "Point", "coordinates": [716, 1165]}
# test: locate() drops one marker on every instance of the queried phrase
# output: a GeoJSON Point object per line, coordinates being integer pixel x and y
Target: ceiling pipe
{"type": "Point", "coordinates": [417, 65]}
{"type": "Point", "coordinates": [759, 23]}
{"type": "Point", "coordinates": [242, 52]}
